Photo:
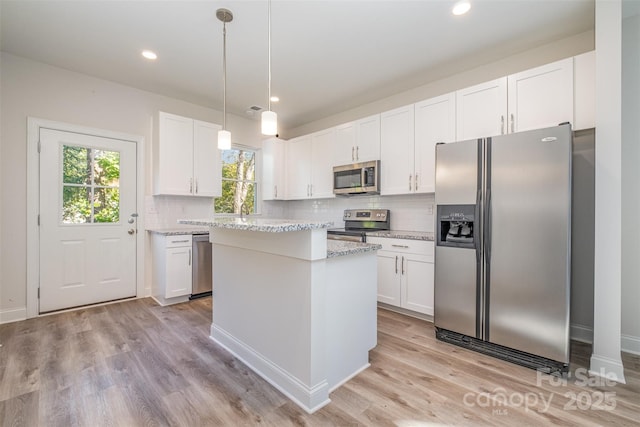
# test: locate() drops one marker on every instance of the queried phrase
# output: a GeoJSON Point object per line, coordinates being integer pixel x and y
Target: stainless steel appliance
{"type": "Point", "coordinates": [503, 243]}
{"type": "Point", "coordinates": [357, 222]}
{"type": "Point", "coordinates": [202, 272]}
{"type": "Point", "coordinates": [357, 178]}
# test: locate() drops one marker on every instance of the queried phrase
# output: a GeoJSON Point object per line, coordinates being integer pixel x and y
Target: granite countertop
{"type": "Point", "coordinates": [336, 248]}
{"type": "Point", "coordinates": [178, 229]}
{"type": "Point", "coordinates": [259, 224]}
{"type": "Point", "coordinates": [400, 234]}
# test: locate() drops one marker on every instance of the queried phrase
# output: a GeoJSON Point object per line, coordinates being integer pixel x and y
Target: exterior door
{"type": "Point", "coordinates": [87, 219]}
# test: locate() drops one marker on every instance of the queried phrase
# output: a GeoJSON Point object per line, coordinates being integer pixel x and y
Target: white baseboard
{"type": "Point", "coordinates": [308, 398]}
{"type": "Point", "coordinates": [630, 344]}
{"type": "Point", "coordinates": [607, 368]}
{"type": "Point", "coordinates": [581, 333]}
{"type": "Point", "coordinates": [13, 315]}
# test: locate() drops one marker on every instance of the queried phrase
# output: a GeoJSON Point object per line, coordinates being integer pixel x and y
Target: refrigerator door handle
{"type": "Point", "coordinates": [487, 227]}
{"type": "Point", "coordinates": [477, 218]}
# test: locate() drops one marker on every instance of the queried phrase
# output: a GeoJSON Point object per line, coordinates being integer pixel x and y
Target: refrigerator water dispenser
{"type": "Point", "coordinates": [456, 226]}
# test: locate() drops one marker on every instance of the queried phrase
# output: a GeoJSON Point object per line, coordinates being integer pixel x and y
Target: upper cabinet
{"type": "Point", "coordinates": [396, 149]}
{"type": "Point", "coordinates": [309, 165]}
{"type": "Point", "coordinates": [187, 161]}
{"type": "Point", "coordinates": [536, 98]}
{"type": "Point", "coordinates": [358, 141]}
{"type": "Point", "coordinates": [541, 97]}
{"type": "Point", "coordinates": [273, 167]}
{"type": "Point", "coordinates": [481, 110]}
{"type": "Point", "coordinates": [435, 121]}
{"type": "Point", "coordinates": [584, 93]}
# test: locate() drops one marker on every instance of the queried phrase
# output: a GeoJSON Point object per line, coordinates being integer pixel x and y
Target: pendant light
{"type": "Point", "coordinates": [224, 136]}
{"type": "Point", "coordinates": [269, 118]}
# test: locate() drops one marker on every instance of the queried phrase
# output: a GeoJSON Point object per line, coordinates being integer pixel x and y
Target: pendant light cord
{"type": "Point", "coordinates": [269, 38]}
{"type": "Point", "coordinates": [224, 76]}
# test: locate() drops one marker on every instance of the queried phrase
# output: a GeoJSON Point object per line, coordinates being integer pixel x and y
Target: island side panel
{"type": "Point", "coordinates": [269, 310]}
{"type": "Point", "coordinates": [351, 300]}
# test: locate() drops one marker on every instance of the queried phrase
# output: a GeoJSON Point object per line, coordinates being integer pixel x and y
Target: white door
{"type": "Point", "coordinates": [397, 134]}
{"type": "Point", "coordinates": [87, 219]}
{"type": "Point", "coordinates": [481, 110]}
{"type": "Point", "coordinates": [322, 149]}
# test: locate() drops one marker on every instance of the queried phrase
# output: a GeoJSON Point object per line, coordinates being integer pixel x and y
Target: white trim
{"type": "Point", "coordinates": [33, 187]}
{"type": "Point", "coordinates": [13, 315]}
{"type": "Point", "coordinates": [630, 344]}
{"type": "Point", "coordinates": [581, 333]}
{"type": "Point", "coordinates": [607, 368]}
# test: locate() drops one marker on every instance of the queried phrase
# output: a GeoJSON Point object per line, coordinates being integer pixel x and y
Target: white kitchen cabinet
{"type": "Point", "coordinates": [309, 166]}
{"type": "Point", "coordinates": [358, 141]}
{"type": "Point", "coordinates": [435, 121]}
{"type": "Point", "coordinates": [540, 97]}
{"type": "Point", "coordinates": [406, 273]}
{"type": "Point", "coordinates": [481, 110]}
{"type": "Point", "coordinates": [172, 260]}
{"type": "Point", "coordinates": [187, 161]}
{"type": "Point", "coordinates": [584, 90]}
{"type": "Point", "coordinates": [273, 169]}
{"type": "Point", "coordinates": [396, 150]}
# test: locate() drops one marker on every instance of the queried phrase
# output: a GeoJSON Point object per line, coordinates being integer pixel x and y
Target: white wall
{"type": "Point", "coordinates": [34, 89]}
{"type": "Point", "coordinates": [630, 181]}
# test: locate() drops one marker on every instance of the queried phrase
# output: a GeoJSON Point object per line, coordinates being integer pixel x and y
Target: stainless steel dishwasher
{"type": "Point", "coordinates": [202, 272]}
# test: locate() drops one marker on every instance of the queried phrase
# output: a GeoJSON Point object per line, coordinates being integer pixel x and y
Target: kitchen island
{"type": "Point", "coordinates": [296, 308]}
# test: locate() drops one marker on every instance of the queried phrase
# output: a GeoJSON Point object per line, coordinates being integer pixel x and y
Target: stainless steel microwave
{"type": "Point", "coordinates": [357, 178]}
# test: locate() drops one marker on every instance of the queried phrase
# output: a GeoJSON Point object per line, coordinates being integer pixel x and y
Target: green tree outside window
{"type": "Point", "coordinates": [238, 182]}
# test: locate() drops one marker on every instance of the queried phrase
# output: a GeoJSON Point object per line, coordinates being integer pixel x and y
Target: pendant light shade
{"type": "Point", "coordinates": [224, 136]}
{"type": "Point", "coordinates": [224, 140]}
{"type": "Point", "coordinates": [269, 118]}
{"type": "Point", "coordinates": [269, 123]}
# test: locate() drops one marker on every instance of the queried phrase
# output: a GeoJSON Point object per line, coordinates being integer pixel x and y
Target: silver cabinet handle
{"type": "Point", "coordinates": [179, 241]}
{"type": "Point", "coordinates": [310, 190]}
{"type": "Point", "coordinates": [191, 185]}
{"type": "Point", "coordinates": [403, 266]}
{"type": "Point", "coordinates": [512, 124]}
{"type": "Point", "coordinates": [410, 175]}
{"type": "Point", "coordinates": [415, 187]}
{"type": "Point", "coordinates": [275, 191]}
{"type": "Point", "coordinates": [396, 264]}
{"type": "Point", "coordinates": [196, 185]}
{"type": "Point", "coordinates": [357, 152]}
{"type": "Point", "coordinates": [502, 125]}
{"type": "Point", "coordinates": [353, 157]}
{"type": "Point", "coordinates": [401, 246]}
{"type": "Point", "coordinates": [189, 256]}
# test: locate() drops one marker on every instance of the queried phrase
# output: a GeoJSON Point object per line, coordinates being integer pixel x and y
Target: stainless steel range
{"type": "Point", "coordinates": [357, 222]}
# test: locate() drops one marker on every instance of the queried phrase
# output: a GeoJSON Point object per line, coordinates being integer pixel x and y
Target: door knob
{"type": "Point", "coordinates": [131, 231]}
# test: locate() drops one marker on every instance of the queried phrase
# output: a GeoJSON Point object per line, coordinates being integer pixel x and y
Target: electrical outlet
{"type": "Point", "coordinates": [430, 210]}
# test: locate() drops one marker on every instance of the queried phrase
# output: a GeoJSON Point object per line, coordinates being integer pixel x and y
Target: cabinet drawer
{"type": "Point", "coordinates": [421, 247]}
{"type": "Point", "coordinates": [178, 240]}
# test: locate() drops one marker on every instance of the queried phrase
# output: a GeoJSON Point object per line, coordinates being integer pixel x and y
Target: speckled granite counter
{"type": "Point", "coordinates": [259, 224]}
{"type": "Point", "coordinates": [177, 230]}
{"type": "Point", "coordinates": [400, 234]}
{"type": "Point", "coordinates": [336, 248]}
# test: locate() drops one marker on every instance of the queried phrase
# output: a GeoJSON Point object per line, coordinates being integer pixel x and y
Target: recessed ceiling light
{"type": "Point", "coordinates": [149, 54]}
{"type": "Point", "coordinates": [461, 7]}
{"type": "Point", "coordinates": [274, 99]}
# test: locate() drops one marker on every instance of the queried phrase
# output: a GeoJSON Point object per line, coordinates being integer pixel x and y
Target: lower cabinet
{"type": "Point", "coordinates": [172, 259]}
{"type": "Point", "coordinates": [405, 273]}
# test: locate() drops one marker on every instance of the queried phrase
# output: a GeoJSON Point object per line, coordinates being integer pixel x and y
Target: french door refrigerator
{"type": "Point", "coordinates": [502, 255]}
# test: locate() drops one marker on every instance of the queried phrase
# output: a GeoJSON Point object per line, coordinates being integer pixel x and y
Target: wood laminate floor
{"type": "Point", "coordinates": [135, 363]}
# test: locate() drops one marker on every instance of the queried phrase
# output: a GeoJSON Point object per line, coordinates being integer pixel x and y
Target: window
{"type": "Point", "coordinates": [239, 185]}
{"type": "Point", "coordinates": [90, 185]}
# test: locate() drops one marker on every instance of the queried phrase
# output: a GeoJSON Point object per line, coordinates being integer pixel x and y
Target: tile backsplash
{"type": "Point", "coordinates": [408, 212]}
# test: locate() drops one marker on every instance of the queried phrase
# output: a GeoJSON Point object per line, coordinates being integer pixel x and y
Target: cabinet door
{"type": "Point", "coordinates": [396, 148]}
{"type": "Point", "coordinates": [435, 122]}
{"type": "Point", "coordinates": [368, 139]}
{"type": "Point", "coordinates": [541, 97]}
{"type": "Point", "coordinates": [175, 165]}
{"type": "Point", "coordinates": [207, 174]}
{"type": "Point", "coordinates": [178, 272]}
{"type": "Point", "coordinates": [273, 167]}
{"type": "Point", "coordinates": [298, 167]}
{"type": "Point", "coordinates": [388, 278]}
{"type": "Point", "coordinates": [417, 283]}
{"type": "Point", "coordinates": [345, 146]}
{"type": "Point", "coordinates": [481, 110]}
{"type": "Point", "coordinates": [322, 149]}
{"type": "Point", "coordinates": [584, 95]}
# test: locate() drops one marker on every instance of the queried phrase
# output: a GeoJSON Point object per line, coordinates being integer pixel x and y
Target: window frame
{"type": "Point", "coordinates": [257, 175]}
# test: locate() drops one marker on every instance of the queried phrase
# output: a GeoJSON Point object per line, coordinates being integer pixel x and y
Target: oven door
{"type": "Point", "coordinates": [347, 236]}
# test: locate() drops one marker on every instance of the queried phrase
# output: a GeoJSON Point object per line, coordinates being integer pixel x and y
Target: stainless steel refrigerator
{"type": "Point", "coordinates": [503, 243]}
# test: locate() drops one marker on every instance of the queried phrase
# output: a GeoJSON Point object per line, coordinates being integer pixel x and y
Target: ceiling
{"type": "Point", "coordinates": [327, 56]}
